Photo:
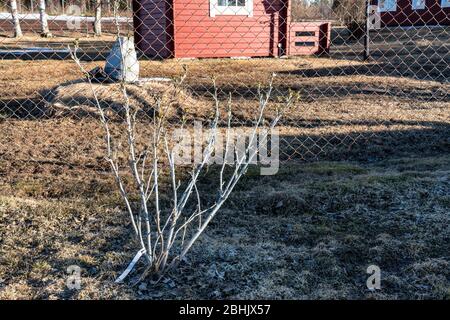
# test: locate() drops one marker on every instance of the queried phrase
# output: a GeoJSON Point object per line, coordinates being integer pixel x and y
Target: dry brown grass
{"type": "Point", "coordinates": [377, 195]}
{"type": "Point", "coordinates": [319, 226]}
{"type": "Point", "coordinates": [362, 116]}
{"type": "Point", "coordinates": [23, 79]}
{"type": "Point", "coordinates": [77, 100]}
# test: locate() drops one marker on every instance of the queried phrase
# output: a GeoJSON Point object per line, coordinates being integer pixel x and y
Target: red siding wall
{"type": "Point", "coordinates": [199, 35]}
{"type": "Point", "coordinates": [433, 14]}
{"type": "Point", "coordinates": [153, 25]}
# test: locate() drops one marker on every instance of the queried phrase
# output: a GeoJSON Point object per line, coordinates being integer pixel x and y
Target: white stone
{"type": "Point", "coordinates": [122, 63]}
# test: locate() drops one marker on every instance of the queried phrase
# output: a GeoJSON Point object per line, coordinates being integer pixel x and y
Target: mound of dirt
{"type": "Point", "coordinates": [78, 99]}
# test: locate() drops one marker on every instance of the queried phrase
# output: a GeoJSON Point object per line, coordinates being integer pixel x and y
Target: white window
{"type": "Point", "coordinates": [231, 7]}
{"type": "Point", "coordinates": [418, 4]}
{"type": "Point", "coordinates": [445, 3]}
{"type": "Point", "coordinates": [387, 5]}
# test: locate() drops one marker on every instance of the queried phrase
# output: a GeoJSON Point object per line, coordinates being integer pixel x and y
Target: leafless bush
{"type": "Point", "coordinates": [166, 234]}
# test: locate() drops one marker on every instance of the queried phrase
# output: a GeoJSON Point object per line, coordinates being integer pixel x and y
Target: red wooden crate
{"type": "Point", "coordinates": [308, 38]}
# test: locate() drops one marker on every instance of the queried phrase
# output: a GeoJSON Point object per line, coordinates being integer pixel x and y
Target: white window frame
{"type": "Point", "coordinates": [216, 10]}
{"type": "Point", "coordinates": [391, 8]}
{"type": "Point", "coordinates": [445, 3]}
{"type": "Point", "coordinates": [418, 4]}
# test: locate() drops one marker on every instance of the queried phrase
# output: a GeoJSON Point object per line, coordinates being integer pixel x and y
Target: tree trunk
{"type": "Point", "coordinates": [15, 17]}
{"type": "Point", "coordinates": [45, 32]}
{"type": "Point", "coordinates": [98, 17]}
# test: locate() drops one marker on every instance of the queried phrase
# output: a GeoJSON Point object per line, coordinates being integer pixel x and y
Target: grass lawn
{"type": "Point", "coordinates": [312, 235]}
{"type": "Point", "coordinates": [365, 180]}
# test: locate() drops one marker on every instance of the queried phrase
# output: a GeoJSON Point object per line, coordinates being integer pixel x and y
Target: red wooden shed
{"type": "Point", "coordinates": [413, 12]}
{"type": "Point", "coordinates": [224, 28]}
{"type": "Point", "coordinates": [211, 28]}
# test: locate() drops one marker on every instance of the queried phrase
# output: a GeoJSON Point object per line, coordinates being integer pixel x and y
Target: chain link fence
{"type": "Point", "coordinates": [373, 76]}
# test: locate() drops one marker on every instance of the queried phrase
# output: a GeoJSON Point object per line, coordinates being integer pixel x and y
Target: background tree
{"type": "Point", "coordinates": [307, 10]}
{"type": "Point", "coordinates": [45, 32]}
{"type": "Point", "coordinates": [15, 18]}
{"type": "Point", "coordinates": [98, 17]}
